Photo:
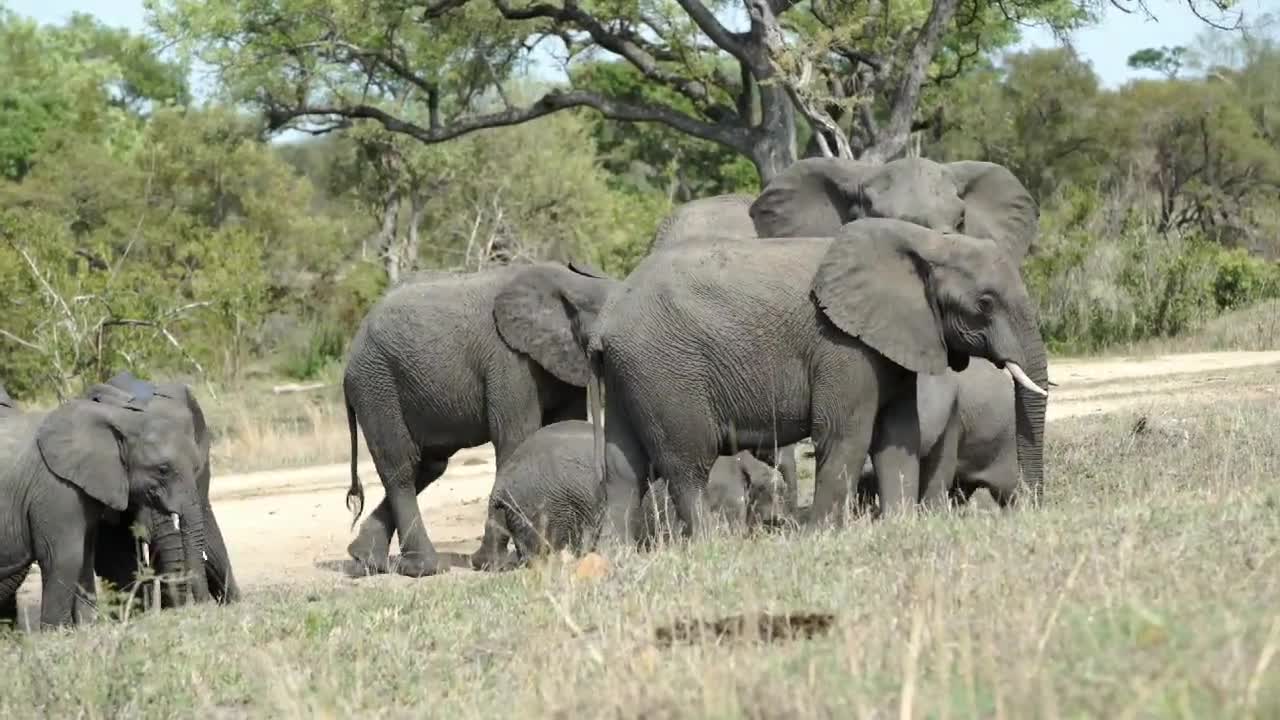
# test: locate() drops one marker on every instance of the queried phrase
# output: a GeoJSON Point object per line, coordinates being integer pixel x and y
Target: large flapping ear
{"type": "Point", "coordinates": [996, 205]}
{"type": "Point", "coordinates": [812, 197]}
{"type": "Point", "coordinates": [532, 316]}
{"type": "Point", "coordinates": [83, 442]}
{"type": "Point", "coordinates": [873, 284]}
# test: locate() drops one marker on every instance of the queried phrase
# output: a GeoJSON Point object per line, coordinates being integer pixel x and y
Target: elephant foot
{"type": "Point", "coordinates": [371, 553]}
{"type": "Point", "coordinates": [418, 564]}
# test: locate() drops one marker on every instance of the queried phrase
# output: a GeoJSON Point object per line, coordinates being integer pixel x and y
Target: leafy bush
{"type": "Point", "coordinates": [1104, 276]}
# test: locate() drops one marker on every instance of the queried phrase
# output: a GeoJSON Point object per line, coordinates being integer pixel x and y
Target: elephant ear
{"type": "Point", "coordinates": [82, 442]}
{"type": "Point", "coordinates": [586, 269]}
{"type": "Point", "coordinates": [110, 394]}
{"type": "Point", "coordinates": [532, 315]}
{"type": "Point", "coordinates": [997, 206]}
{"type": "Point", "coordinates": [181, 393]}
{"type": "Point", "coordinates": [873, 284]}
{"type": "Point", "coordinates": [812, 197]}
{"type": "Point", "coordinates": [140, 390]}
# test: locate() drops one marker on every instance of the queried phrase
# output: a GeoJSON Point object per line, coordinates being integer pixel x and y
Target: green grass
{"type": "Point", "coordinates": [1146, 587]}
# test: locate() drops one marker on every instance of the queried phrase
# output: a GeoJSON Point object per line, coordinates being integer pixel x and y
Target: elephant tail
{"type": "Point", "coordinates": [355, 495]}
{"type": "Point", "coordinates": [595, 397]}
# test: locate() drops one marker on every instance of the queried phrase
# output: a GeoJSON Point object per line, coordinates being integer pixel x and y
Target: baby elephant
{"type": "Point", "coordinates": [544, 497]}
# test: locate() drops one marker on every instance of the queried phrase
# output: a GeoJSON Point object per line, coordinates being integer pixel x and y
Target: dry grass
{"type": "Point", "coordinates": [256, 430]}
{"type": "Point", "coordinates": [1146, 587]}
{"type": "Point", "coordinates": [1248, 329]}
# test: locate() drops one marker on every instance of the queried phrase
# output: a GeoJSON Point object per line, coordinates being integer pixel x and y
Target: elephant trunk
{"type": "Point", "coordinates": [1030, 406]}
{"type": "Point", "coordinates": [193, 550]}
{"type": "Point", "coordinates": [180, 550]}
{"type": "Point", "coordinates": [166, 552]}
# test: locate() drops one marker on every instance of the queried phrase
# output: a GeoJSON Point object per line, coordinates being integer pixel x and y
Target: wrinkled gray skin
{"type": "Point", "coordinates": [725, 216]}
{"type": "Point", "coordinates": [447, 362]}
{"type": "Point", "coordinates": [815, 196]}
{"type": "Point", "coordinates": [117, 559]}
{"type": "Point", "coordinates": [827, 338]}
{"type": "Point", "coordinates": [60, 473]}
{"type": "Point", "coordinates": [545, 497]}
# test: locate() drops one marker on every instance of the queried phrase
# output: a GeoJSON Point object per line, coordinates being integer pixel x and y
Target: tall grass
{"type": "Point", "coordinates": [1145, 587]}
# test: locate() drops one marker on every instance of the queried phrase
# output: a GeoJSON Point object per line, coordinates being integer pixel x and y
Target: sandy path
{"type": "Point", "coordinates": [292, 526]}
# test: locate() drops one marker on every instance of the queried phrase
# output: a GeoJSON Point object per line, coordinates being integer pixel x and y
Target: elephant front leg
{"type": "Point", "coordinates": [493, 546]}
{"type": "Point", "coordinates": [895, 452]}
{"type": "Point", "coordinates": [626, 467]}
{"type": "Point", "coordinates": [938, 467]}
{"type": "Point", "coordinates": [9, 599]}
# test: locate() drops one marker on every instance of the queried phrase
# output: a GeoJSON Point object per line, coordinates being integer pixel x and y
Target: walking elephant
{"type": "Point", "coordinates": [61, 472]}
{"type": "Point", "coordinates": [816, 196]}
{"type": "Point", "coordinates": [546, 497]}
{"type": "Point", "coordinates": [738, 340]}
{"type": "Point", "coordinates": [454, 361]}
{"type": "Point", "coordinates": [117, 560]}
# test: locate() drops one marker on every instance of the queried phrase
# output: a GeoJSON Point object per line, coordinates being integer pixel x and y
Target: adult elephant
{"type": "Point", "coordinates": [726, 216]}
{"type": "Point", "coordinates": [117, 560]}
{"type": "Point", "coordinates": [449, 361]}
{"type": "Point", "coordinates": [816, 196]}
{"type": "Point", "coordinates": [819, 337]}
{"type": "Point", "coordinates": [61, 471]}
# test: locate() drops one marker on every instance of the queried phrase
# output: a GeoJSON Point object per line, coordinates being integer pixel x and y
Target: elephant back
{"type": "Point", "coordinates": [726, 216]}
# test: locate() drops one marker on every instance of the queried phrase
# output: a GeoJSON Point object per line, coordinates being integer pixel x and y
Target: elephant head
{"type": "Point", "coordinates": [548, 311]}
{"type": "Point", "coordinates": [928, 300]}
{"type": "Point", "coordinates": [178, 548]}
{"type": "Point", "coordinates": [745, 490]}
{"type": "Point", "coordinates": [816, 196]}
{"type": "Point", "coordinates": [121, 455]}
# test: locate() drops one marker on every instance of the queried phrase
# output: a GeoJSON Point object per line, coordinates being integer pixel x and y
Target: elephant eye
{"type": "Point", "coordinates": [164, 469]}
{"type": "Point", "coordinates": [986, 304]}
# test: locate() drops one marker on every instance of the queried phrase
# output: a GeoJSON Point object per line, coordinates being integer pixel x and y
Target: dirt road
{"type": "Point", "coordinates": [292, 526]}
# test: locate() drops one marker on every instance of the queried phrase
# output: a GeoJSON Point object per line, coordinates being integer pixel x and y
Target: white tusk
{"type": "Point", "coordinates": [204, 556]}
{"type": "Point", "coordinates": [178, 526]}
{"type": "Point", "coordinates": [1021, 378]}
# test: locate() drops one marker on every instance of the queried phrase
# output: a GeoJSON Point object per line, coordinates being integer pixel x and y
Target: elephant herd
{"type": "Point", "coordinates": [875, 309]}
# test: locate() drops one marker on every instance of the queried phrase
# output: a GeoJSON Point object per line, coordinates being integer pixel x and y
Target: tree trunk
{"type": "Point", "coordinates": [386, 242]}
{"type": "Point", "coordinates": [773, 142]}
{"type": "Point", "coordinates": [419, 208]}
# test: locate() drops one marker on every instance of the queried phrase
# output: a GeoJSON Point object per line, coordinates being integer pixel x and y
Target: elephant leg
{"type": "Point", "coordinates": [493, 546]}
{"type": "Point", "coordinates": [116, 557]}
{"type": "Point", "coordinates": [790, 477]}
{"type": "Point", "coordinates": [9, 599]}
{"type": "Point", "coordinates": [222, 583]}
{"type": "Point", "coordinates": [417, 555]}
{"type": "Point", "coordinates": [938, 466]}
{"type": "Point", "coordinates": [626, 467]}
{"type": "Point", "coordinates": [398, 460]}
{"type": "Point", "coordinates": [841, 438]}
{"type": "Point", "coordinates": [687, 486]}
{"type": "Point", "coordinates": [85, 610]}
{"type": "Point", "coordinates": [895, 452]}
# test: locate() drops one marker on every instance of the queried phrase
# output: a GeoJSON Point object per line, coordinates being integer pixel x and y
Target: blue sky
{"type": "Point", "coordinates": [1107, 45]}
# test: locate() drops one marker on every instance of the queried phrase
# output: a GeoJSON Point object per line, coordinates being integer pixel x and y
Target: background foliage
{"type": "Point", "coordinates": [141, 228]}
